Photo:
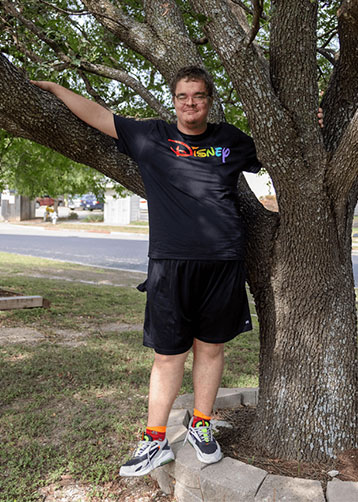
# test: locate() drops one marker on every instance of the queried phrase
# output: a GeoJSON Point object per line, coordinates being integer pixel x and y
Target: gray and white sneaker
{"type": "Point", "coordinates": [148, 455]}
{"type": "Point", "coordinates": [202, 440]}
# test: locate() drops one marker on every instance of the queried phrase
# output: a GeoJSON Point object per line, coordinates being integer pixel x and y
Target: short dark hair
{"type": "Point", "coordinates": [193, 73]}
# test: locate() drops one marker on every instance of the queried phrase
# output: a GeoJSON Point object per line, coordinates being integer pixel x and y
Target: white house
{"type": "Point", "coordinates": [123, 210]}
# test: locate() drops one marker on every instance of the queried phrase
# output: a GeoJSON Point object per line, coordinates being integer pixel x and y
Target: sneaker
{"type": "Point", "coordinates": [148, 455]}
{"type": "Point", "coordinates": [202, 440]}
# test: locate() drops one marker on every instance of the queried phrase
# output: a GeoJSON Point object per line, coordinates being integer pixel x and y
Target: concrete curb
{"type": "Point", "coordinates": [231, 480]}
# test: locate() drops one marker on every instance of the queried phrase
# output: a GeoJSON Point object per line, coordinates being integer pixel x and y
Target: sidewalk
{"type": "Point", "coordinates": [38, 227]}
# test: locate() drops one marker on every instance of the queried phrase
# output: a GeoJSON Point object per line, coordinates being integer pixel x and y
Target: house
{"type": "Point", "coordinates": [14, 207]}
{"type": "Point", "coordinates": [123, 210]}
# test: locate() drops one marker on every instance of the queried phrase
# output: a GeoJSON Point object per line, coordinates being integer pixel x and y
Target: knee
{"type": "Point", "coordinates": [208, 350]}
{"type": "Point", "coordinates": [167, 361]}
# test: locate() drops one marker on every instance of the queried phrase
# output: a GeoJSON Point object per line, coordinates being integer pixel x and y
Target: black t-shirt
{"type": "Point", "coordinates": [191, 186]}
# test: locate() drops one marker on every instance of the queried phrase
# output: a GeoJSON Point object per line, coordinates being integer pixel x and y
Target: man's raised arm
{"type": "Point", "coordinates": [90, 112]}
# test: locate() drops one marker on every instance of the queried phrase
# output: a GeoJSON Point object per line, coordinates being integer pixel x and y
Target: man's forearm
{"type": "Point", "coordinates": [90, 112]}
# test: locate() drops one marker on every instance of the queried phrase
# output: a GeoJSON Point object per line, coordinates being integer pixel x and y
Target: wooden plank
{"type": "Point", "coordinates": [20, 302]}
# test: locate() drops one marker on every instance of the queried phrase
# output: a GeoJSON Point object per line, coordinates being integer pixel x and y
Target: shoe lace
{"type": "Point", "coordinates": [205, 433]}
{"type": "Point", "coordinates": [142, 446]}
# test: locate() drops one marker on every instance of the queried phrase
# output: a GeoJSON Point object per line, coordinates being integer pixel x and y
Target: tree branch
{"type": "Point", "coordinates": [92, 92]}
{"type": "Point", "coordinates": [138, 36]}
{"type": "Point", "coordinates": [49, 122]}
{"type": "Point", "coordinates": [258, 6]}
{"type": "Point", "coordinates": [341, 183]}
{"type": "Point", "coordinates": [328, 54]}
{"type": "Point", "coordinates": [122, 76]}
{"type": "Point", "coordinates": [11, 8]}
{"type": "Point", "coordinates": [70, 12]}
{"type": "Point", "coordinates": [293, 67]}
{"type": "Point", "coordinates": [247, 9]}
{"type": "Point", "coordinates": [271, 125]}
{"type": "Point", "coordinates": [341, 99]}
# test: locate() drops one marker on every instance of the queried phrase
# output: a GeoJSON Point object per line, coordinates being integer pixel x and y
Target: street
{"type": "Point", "coordinates": [115, 250]}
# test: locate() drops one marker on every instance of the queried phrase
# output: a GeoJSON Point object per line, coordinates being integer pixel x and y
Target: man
{"type": "Point", "coordinates": [196, 295]}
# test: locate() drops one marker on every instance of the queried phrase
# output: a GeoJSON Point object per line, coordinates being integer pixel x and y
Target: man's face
{"type": "Point", "coordinates": [192, 106]}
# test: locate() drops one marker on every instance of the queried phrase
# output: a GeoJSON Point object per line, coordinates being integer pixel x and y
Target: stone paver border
{"type": "Point", "coordinates": [231, 480]}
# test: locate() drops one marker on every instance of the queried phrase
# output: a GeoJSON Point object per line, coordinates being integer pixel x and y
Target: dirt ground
{"type": "Point", "coordinates": [238, 444]}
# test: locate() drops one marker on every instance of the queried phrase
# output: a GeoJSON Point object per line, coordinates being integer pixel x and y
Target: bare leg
{"type": "Point", "coordinates": [207, 372]}
{"type": "Point", "coordinates": [165, 382]}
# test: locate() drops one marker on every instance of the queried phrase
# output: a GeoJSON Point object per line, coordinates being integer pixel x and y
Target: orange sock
{"type": "Point", "coordinates": [198, 417]}
{"type": "Point", "coordinates": [156, 433]}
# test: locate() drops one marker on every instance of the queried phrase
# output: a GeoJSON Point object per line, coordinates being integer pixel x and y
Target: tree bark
{"type": "Point", "coordinates": [308, 375]}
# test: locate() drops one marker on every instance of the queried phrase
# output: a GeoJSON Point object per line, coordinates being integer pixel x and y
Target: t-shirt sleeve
{"type": "Point", "coordinates": [131, 135]}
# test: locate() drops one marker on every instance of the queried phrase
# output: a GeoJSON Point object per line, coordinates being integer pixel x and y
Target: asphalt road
{"type": "Point", "coordinates": [120, 251]}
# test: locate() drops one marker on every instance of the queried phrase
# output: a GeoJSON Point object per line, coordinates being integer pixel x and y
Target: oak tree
{"type": "Point", "coordinates": [268, 58]}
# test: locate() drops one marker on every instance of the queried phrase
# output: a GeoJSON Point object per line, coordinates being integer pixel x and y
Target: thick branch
{"type": "Point", "coordinates": [293, 65]}
{"type": "Point", "coordinates": [162, 39]}
{"type": "Point", "coordinates": [341, 99]}
{"type": "Point", "coordinates": [12, 127]}
{"type": "Point", "coordinates": [342, 182]}
{"type": "Point", "coordinates": [138, 36]}
{"type": "Point", "coordinates": [49, 122]}
{"type": "Point", "coordinates": [98, 69]}
{"type": "Point", "coordinates": [270, 124]}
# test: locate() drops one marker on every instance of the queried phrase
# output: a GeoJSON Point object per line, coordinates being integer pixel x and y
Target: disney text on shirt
{"type": "Point", "coordinates": [184, 150]}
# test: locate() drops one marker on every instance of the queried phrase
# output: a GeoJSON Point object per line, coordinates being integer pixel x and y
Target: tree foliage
{"type": "Point", "coordinates": [33, 170]}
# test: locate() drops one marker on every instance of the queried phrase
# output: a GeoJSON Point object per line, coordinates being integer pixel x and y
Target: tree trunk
{"type": "Point", "coordinates": [308, 374]}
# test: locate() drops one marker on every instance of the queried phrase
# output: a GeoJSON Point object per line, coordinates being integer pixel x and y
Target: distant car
{"type": "Point", "coordinates": [74, 202]}
{"type": "Point", "coordinates": [91, 202]}
{"type": "Point", "coordinates": [46, 200]}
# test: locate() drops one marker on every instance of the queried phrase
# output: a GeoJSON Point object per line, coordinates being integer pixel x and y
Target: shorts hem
{"type": "Point", "coordinates": [226, 338]}
{"type": "Point", "coordinates": [167, 352]}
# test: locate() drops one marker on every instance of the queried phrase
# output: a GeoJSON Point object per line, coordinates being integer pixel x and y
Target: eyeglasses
{"type": "Point", "coordinates": [197, 98]}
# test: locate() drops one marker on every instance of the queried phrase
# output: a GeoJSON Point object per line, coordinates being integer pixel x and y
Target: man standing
{"type": "Point", "coordinates": [196, 297]}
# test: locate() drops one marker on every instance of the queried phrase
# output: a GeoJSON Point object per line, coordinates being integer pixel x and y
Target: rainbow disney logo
{"type": "Point", "coordinates": [184, 150]}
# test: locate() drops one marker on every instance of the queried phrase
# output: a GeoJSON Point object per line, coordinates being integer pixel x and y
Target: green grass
{"type": "Point", "coordinates": [77, 408]}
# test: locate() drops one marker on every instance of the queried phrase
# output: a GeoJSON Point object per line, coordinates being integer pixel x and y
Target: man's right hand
{"type": "Point", "coordinates": [44, 84]}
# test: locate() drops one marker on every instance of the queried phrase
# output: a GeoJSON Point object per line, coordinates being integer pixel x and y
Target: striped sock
{"type": "Point", "coordinates": [156, 433]}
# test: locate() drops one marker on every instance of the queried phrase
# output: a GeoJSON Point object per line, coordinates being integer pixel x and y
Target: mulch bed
{"type": "Point", "coordinates": [237, 443]}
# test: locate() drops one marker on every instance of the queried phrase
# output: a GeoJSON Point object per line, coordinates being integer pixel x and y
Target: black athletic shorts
{"type": "Point", "coordinates": [189, 299]}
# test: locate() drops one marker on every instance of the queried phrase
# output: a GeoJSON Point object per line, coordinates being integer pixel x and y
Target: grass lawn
{"type": "Point", "coordinates": [73, 398]}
